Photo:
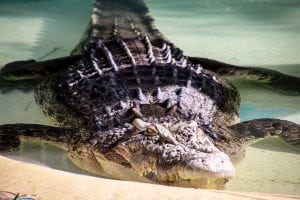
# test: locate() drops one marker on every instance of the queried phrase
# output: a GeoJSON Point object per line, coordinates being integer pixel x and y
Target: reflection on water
{"type": "Point", "coordinates": [258, 101]}
{"type": "Point", "coordinates": [251, 32]}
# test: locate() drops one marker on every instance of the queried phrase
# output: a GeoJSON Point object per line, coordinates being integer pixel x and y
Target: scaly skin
{"type": "Point", "coordinates": [108, 99]}
{"type": "Point", "coordinates": [134, 107]}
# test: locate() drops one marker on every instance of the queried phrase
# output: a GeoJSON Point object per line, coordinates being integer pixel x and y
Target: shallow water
{"type": "Point", "coordinates": [251, 32]}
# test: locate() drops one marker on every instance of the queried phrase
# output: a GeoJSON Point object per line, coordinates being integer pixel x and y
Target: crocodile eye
{"type": "Point", "coordinates": [151, 131]}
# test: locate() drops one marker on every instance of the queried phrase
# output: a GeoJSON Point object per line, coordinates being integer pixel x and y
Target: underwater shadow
{"type": "Point", "coordinates": [275, 144]}
{"type": "Point", "coordinates": [39, 30]}
{"type": "Point", "coordinates": [44, 154]}
{"type": "Point", "coordinates": [55, 26]}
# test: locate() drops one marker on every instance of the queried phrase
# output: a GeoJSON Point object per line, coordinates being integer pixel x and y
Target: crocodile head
{"type": "Point", "coordinates": [174, 153]}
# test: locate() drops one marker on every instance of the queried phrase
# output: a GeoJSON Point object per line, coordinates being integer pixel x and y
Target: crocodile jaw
{"type": "Point", "coordinates": [213, 165]}
{"type": "Point", "coordinates": [176, 153]}
{"type": "Point", "coordinates": [205, 170]}
{"type": "Point", "coordinates": [208, 171]}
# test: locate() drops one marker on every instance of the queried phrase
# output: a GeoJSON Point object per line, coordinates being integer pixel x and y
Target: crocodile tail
{"type": "Point", "coordinates": [261, 128]}
{"type": "Point", "coordinates": [10, 134]}
{"type": "Point", "coordinates": [127, 19]}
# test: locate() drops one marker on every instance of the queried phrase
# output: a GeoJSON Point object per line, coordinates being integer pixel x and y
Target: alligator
{"type": "Point", "coordinates": [128, 104]}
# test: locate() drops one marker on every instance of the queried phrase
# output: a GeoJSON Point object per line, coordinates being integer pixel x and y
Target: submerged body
{"type": "Point", "coordinates": [134, 107]}
{"type": "Point", "coordinates": [179, 105]}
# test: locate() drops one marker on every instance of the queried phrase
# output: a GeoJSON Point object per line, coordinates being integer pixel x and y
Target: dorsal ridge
{"type": "Point", "coordinates": [108, 55]}
{"type": "Point", "coordinates": [126, 49]}
{"type": "Point", "coordinates": [149, 47]}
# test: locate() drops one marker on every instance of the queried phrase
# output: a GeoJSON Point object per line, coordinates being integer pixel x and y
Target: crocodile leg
{"type": "Point", "coordinates": [81, 154]}
{"type": "Point", "coordinates": [285, 83]}
{"type": "Point", "coordinates": [10, 134]}
{"type": "Point", "coordinates": [30, 69]}
{"type": "Point", "coordinates": [26, 74]}
{"type": "Point", "coordinates": [261, 128]}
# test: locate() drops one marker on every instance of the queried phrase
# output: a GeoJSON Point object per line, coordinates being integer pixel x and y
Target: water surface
{"type": "Point", "coordinates": [249, 32]}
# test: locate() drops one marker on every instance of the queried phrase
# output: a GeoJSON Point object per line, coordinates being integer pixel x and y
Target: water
{"type": "Point", "coordinates": [249, 32]}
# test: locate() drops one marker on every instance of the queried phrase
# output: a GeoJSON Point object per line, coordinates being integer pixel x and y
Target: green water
{"type": "Point", "coordinates": [249, 32]}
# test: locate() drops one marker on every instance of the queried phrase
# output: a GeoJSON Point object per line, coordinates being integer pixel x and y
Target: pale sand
{"type": "Point", "coordinates": [45, 183]}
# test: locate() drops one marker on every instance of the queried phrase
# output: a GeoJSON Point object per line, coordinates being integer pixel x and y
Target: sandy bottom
{"type": "Point", "coordinates": [44, 183]}
{"type": "Point", "coordinates": [259, 171]}
{"type": "Point", "coordinates": [270, 166]}
{"type": "Point", "coordinates": [32, 29]}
